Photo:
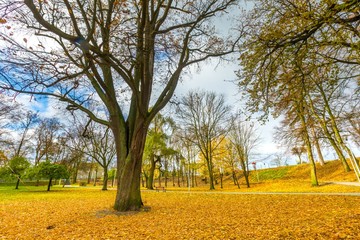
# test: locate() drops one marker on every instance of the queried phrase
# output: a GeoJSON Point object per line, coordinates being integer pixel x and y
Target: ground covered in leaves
{"type": "Point", "coordinates": [86, 213]}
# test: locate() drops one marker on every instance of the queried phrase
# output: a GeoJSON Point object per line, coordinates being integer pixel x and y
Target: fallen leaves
{"type": "Point", "coordinates": [86, 214]}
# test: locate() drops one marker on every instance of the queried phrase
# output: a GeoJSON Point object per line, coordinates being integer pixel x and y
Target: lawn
{"type": "Point", "coordinates": [86, 213]}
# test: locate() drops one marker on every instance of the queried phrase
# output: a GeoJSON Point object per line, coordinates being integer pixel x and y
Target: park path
{"type": "Point", "coordinates": [356, 194]}
{"type": "Point", "coordinates": [346, 183]}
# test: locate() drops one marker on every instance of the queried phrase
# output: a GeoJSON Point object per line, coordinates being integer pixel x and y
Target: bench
{"type": "Point", "coordinates": [160, 188]}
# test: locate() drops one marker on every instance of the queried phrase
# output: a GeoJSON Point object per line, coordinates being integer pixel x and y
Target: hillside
{"type": "Point", "coordinates": [331, 171]}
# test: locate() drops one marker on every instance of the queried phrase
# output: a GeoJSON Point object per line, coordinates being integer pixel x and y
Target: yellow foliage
{"type": "Point", "coordinates": [82, 213]}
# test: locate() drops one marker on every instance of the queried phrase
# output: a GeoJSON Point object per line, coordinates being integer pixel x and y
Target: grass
{"type": "Point", "coordinates": [86, 212]}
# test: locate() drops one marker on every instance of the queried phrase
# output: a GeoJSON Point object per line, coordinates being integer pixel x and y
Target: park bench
{"type": "Point", "coordinates": [160, 188]}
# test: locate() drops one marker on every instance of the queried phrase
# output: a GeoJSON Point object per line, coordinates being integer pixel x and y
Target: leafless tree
{"type": "Point", "coordinates": [244, 139]}
{"type": "Point", "coordinates": [206, 115]}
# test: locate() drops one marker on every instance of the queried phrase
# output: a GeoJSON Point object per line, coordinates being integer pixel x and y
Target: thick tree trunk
{"type": "Point", "coordinates": [128, 196]}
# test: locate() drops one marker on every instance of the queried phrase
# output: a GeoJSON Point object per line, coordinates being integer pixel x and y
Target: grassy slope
{"type": "Point", "coordinates": [332, 171]}
{"type": "Point", "coordinates": [286, 179]}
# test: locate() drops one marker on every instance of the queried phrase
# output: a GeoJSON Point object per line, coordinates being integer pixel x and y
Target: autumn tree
{"type": "Point", "coordinates": [244, 139]}
{"type": "Point", "coordinates": [156, 147]}
{"type": "Point", "coordinates": [206, 115]}
{"type": "Point", "coordinates": [129, 54]}
{"type": "Point", "coordinates": [284, 62]}
{"type": "Point", "coordinates": [183, 142]}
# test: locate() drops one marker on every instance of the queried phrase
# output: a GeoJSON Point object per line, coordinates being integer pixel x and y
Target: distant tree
{"type": "Point", "coordinates": [298, 151]}
{"type": "Point", "coordinates": [206, 115]}
{"type": "Point", "coordinates": [46, 137]}
{"type": "Point", "coordinates": [52, 171]}
{"type": "Point", "coordinates": [156, 147]}
{"type": "Point", "coordinates": [244, 139]}
{"type": "Point", "coordinates": [21, 125]}
{"type": "Point", "coordinates": [15, 168]}
{"type": "Point", "coordinates": [99, 145]}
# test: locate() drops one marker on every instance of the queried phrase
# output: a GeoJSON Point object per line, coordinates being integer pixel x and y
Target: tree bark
{"type": "Point", "coordinates": [236, 181]}
{"type": "Point", "coordinates": [317, 146]}
{"type": "Point", "coordinates": [150, 178]}
{"type": "Point", "coordinates": [306, 138]}
{"type": "Point", "coordinates": [128, 197]}
{"type": "Point", "coordinates": [211, 174]}
{"type": "Point", "coordinates": [106, 177]}
{"type": "Point", "coordinates": [49, 184]}
{"type": "Point", "coordinates": [17, 183]}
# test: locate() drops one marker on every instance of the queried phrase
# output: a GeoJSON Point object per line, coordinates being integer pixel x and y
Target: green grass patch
{"type": "Point", "coordinates": [272, 174]}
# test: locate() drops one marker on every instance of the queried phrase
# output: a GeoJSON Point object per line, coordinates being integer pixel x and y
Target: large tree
{"type": "Point", "coordinates": [126, 55]}
{"type": "Point", "coordinates": [291, 51]}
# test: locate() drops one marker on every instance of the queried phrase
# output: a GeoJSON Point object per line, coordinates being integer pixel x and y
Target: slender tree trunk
{"type": "Point", "coordinates": [211, 174]}
{"type": "Point", "coordinates": [306, 138]}
{"type": "Point", "coordinates": [166, 173]}
{"type": "Point", "coordinates": [95, 178]}
{"type": "Point", "coordinates": [317, 146]}
{"type": "Point", "coordinates": [17, 182]}
{"type": "Point", "coordinates": [245, 172]}
{"type": "Point", "coordinates": [323, 124]}
{"type": "Point", "coordinates": [173, 177]}
{"type": "Point", "coordinates": [150, 179]}
{"type": "Point", "coordinates": [90, 171]}
{"type": "Point", "coordinates": [192, 178]}
{"type": "Point", "coordinates": [49, 184]}
{"type": "Point", "coordinates": [142, 180]}
{"type": "Point", "coordinates": [178, 178]}
{"type": "Point", "coordinates": [183, 172]}
{"type": "Point", "coordinates": [159, 178]}
{"type": "Point", "coordinates": [76, 170]}
{"type": "Point", "coordinates": [196, 182]}
{"type": "Point", "coordinates": [106, 177]}
{"type": "Point", "coordinates": [236, 181]}
{"type": "Point", "coordinates": [221, 180]}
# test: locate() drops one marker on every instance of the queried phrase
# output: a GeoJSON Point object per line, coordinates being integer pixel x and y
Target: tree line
{"type": "Point", "coordinates": [203, 138]}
